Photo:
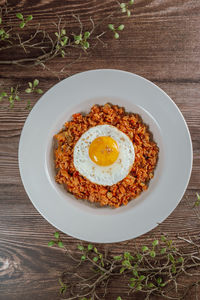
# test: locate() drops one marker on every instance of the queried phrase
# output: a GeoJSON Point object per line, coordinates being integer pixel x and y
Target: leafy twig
{"type": "Point", "coordinates": [23, 20]}
{"type": "Point", "coordinates": [152, 270]}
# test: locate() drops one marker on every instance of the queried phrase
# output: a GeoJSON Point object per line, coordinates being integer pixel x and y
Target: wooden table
{"type": "Point", "coordinates": [161, 42]}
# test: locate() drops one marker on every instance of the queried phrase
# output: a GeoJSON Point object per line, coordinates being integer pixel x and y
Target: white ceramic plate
{"type": "Point", "coordinates": [77, 94]}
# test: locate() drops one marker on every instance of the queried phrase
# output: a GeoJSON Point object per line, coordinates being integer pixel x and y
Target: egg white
{"type": "Point", "coordinates": [104, 175]}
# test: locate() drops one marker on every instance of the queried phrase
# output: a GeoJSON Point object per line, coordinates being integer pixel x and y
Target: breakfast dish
{"type": "Point", "coordinates": [106, 156]}
{"type": "Point", "coordinates": [78, 93]}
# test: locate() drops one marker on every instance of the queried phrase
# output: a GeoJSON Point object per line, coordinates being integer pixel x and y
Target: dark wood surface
{"type": "Point", "coordinates": [161, 42]}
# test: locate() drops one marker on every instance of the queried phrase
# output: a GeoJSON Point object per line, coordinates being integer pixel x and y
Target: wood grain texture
{"type": "Point", "coordinates": [161, 42]}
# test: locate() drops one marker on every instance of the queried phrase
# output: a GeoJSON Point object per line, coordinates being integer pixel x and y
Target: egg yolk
{"type": "Point", "coordinates": [104, 151]}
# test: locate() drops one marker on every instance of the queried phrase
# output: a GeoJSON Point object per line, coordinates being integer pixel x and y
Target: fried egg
{"type": "Point", "coordinates": [104, 155]}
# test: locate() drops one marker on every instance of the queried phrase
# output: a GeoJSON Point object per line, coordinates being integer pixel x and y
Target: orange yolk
{"type": "Point", "coordinates": [104, 151]}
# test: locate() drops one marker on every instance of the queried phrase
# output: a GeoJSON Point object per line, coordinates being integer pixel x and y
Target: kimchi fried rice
{"type": "Point", "coordinates": [146, 156]}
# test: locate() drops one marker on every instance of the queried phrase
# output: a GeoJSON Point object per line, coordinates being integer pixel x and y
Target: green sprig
{"type": "Point", "coordinates": [33, 87]}
{"type": "Point", "coordinates": [23, 20]}
{"type": "Point", "coordinates": [57, 241]}
{"type": "Point", "coordinates": [82, 40]}
{"type": "Point", "coordinates": [3, 34]}
{"type": "Point", "coordinates": [11, 96]}
{"type": "Point", "coordinates": [149, 270]}
{"type": "Point", "coordinates": [62, 41]}
{"type": "Point", "coordinates": [63, 286]}
{"type": "Point", "coordinates": [116, 29]}
{"type": "Point", "coordinates": [125, 7]}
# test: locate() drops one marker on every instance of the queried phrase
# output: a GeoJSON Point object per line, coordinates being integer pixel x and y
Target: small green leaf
{"type": "Point", "coordinates": [127, 255]}
{"type": "Point", "coordinates": [197, 203]}
{"type": "Point", "coordinates": [122, 270]}
{"type": "Point", "coordinates": [83, 257]}
{"type": "Point", "coordinates": [132, 284]}
{"type": "Point", "coordinates": [28, 91]}
{"type": "Point", "coordinates": [56, 34]}
{"type": "Point", "coordinates": [139, 256]}
{"type": "Point", "coordinates": [19, 16]}
{"type": "Point", "coordinates": [95, 259]}
{"type": "Point", "coordinates": [152, 253]}
{"type": "Point", "coordinates": [159, 280]}
{"type": "Point", "coordinates": [56, 235]}
{"type": "Point", "coordinates": [180, 259]}
{"type": "Point", "coordinates": [132, 279]}
{"type": "Point", "coordinates": [150, 285]}
{"type": "Point", "coordinates": [86, 45]}
{"type": "Point", "coordinates": [4, 94]}
{"type": "Point", "coordinates": [61, 283]}
{"type": "Point", "coordinates": [86, 34]}
{"type": "Point", "coordinates": [163, 284]}
{"type": "Point", "coordinates": [22, 24]}
{"type": "Point", "coordinates": [2, 31]}
{"type": "Point", "coordinates": [122, 5]}
{"type": "Point", "coordinates": [117, 257]}
{"type": "Point", "coordinates": [135, 273]}
{"type": "Point", "coordinates": [131, 2]}
{"type": "Point", "coordinates": [169, 243]}
{"type": "Point", "coordinates": [145, 248]}
{"type": "Point", "coordinates": [60, 244]}
{"type": "Point", "coordinates": [62, 290]}
{"type": "Point", "coordinates": [35, 82]}
{"type": "Point", "coordinates": [80, 247]}
{"type": "Point", "coordinates": [124, 9]}
{"type": "Point", "coordinates": [30, 85]}
{"type": "Point", "coordinates": [63, 286]}
{"type": "Point", "coordinates": [78, 37]}
{"type": "Point", "coordinates": [39, 91]}
{"type": "Point", "coordinates": [163, 238]}
{"type": "Point", "coordinates": [28, 106]}
{"type": "Point", "coordinates": [163, 250]}
{"type": "Point", "coordinates": [111, 27]}
{"type": "Point", "coordinates": [62, 53]}
{"type": "Point", "coordinates": [173, 269]}
{"type": "Point", "coordinates": [126, 263]}
{"type": "Point", "coordinates": [95, 250]}
{"type": "Point", "coordinates": [119, 298]}
{"type": "Point", "coordinates": [51, 243]}
{"type": "Point", "coordinates": [121, 27]}
{"type": "Point", "coordinates": [128, 13]}
{"type": "Point", "coordinates": [171, 258]}
{"type": "Point", "coordinates": [155, 243]}
{"type": "Point", "coordinates": [17, 98]}
{"type": "Point", "coordinates": [139, 287]}
{"type": "Point", "coordinates": [64, 41]}
{"type": "Point", "coordinates": [90, 247]}
{"type": "Point", "coordinates": [29, 18]}
{"type": "Point", "coordinates": [63, 32]}
{"type": "Point", "coordinates": [12, 89]}
{"type": "Point", "coordinates": [142, 277]}
{"type": "Point", "coordinates": [0, 20]}
{"type": "Point", "coordinates": [116, 35]}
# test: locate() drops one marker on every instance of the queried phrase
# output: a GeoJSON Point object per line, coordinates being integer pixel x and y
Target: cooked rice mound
{"type": "Point", "coordinates": [146, 156]}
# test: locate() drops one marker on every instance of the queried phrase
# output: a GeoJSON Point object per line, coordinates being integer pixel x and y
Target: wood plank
{"type": "Point", "coordinates": [160, 42]}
